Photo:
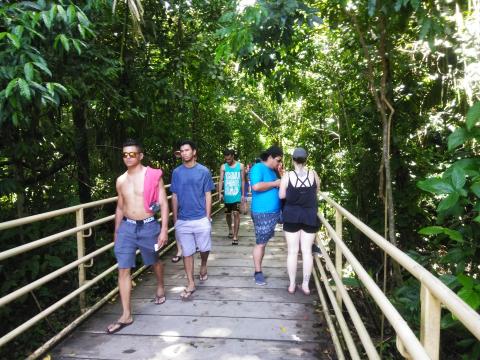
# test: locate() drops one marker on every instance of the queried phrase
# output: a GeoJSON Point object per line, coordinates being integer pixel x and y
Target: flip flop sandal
{"type": "Point", "coordinates": [230, 236]}
{"type": "Point", "coordinates": [292, 292]}
{"type": "Point", "coordinates": [203, 277]}
{"type": "Point", "coordinates": [120, 324]}
{"type": "Point", "coordinates": [159, 300]}
{"type": "Point", "coordinates": [235, 242]}
{"type": "Point", "coordinates": [176, 258]}
{"type": "Point", "coordinates": [187, 294]}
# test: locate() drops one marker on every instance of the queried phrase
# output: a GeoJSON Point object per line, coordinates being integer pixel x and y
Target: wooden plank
{"type": "Point", "coordinates": [212, 327]}
{"type": "Point", "coordinates": [100, 346]}
{"type": "Point", "coordinates": [228, 317]}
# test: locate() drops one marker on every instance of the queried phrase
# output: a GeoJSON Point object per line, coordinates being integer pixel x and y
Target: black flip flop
{"type": "Point", "coordinates": [176, 258]}
{"type": "Point", "coordinates": [235, 242]}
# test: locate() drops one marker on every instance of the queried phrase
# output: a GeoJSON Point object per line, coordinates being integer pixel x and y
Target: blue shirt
{"type": "Point", "coordinates": [190, 186]}
{"type": "Point", "coordinates": [264, 201]}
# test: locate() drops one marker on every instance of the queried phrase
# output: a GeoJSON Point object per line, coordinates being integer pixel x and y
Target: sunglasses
{"type": "Point", "coordinates": [131, 154]}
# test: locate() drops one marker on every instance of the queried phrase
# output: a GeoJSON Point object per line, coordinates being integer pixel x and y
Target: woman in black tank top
{"type": "Point", "coordinates": [300, 222]}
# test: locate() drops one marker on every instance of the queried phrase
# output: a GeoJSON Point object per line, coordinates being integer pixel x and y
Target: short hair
{"type": "Point", "coordinates": [300, 160]}
{"type": "Point", "coordinates": [133, 142]}
{"type": "Point", "coordinates": [228, 152]}
{"type": "Point", "coordinates": [188, 142]}
{"type": "Point", "coordinates": [272, 151]}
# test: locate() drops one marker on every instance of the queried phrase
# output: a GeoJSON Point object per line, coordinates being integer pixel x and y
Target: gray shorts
{"type": "Point", "coordinates": [193, 235]}
{"type": "Point", "coordinates": [131, 237]}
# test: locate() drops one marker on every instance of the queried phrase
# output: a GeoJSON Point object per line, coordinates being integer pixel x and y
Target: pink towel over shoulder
{"type": "Point", "coordinates": [150, 187]}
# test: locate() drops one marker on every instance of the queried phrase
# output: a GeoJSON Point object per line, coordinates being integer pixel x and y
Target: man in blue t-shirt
{"type": "Point", "coordinates": [191, 188]}
{"type": "Point", "coordinates": [265, 204]}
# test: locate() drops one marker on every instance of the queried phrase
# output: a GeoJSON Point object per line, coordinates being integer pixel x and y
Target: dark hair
{"type": "Point", "coordinates": [300, 160]}
{"type": "Point", "coordinates": [188, 142]}
{"type": "Point", "coordinates": [133, 142]}
{"type": "Point", "coordinates": [228, 152]}
{"type": "Point", "coordinates": [272, 151]}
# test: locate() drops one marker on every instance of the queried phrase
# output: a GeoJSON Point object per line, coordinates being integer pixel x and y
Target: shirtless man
{"type": "Point", "coordinates": [136, 228]}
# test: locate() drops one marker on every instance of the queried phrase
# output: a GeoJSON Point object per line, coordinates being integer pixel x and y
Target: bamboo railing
{"type": "Point", "coordinates": [434, 296]}
{"type": "Point", "coordinates": [81, 264]}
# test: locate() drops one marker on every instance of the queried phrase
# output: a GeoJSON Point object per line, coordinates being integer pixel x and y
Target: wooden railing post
{"type": "Point", "coordinates": [430, 323]}
{"type": "Point", "coordinates": [338, 254]}
{"type": "Point", "coordinates": [81, 253]}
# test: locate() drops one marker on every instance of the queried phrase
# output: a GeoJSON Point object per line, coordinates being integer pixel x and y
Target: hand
{"type": "Point", "coordinates": [162, 239]}
{"type": "Point", "coordinates": [243, 199]}
{"type": "Point", "coordinates": [277, 183]}
{"type": "Point", "coordinates": [114, 236]}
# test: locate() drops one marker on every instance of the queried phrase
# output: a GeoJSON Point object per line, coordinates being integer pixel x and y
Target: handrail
{"type": "Point", "coordinates": [79, 263]}
{"type": "Point", "coordinates": [433, 294]}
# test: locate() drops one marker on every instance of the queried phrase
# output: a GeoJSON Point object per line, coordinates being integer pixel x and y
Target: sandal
{"type": "Point", "coordinates": [305, 292]}
{"type": "Point", "coordinates": [159, 300]}
{"type": "Point", "coordinates": [176, 258]}
{"type": "Point", "coordinates": [187, 294]}
{"type": "Point", "coordinates": [235, 242]}
{"type": "Point", "coordinates": [117, 326]}
{"type": "Point", "coordinates": [294, 290]}
{"type": "Point", "coordinates": [230, 235]}
{"type": "Point", "coordinates": [203, 277]}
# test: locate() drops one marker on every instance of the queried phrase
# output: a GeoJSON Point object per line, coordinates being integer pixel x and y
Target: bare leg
{"type": "Point", "coordinates": [203, 266]}
{"type": "Point", "coordinates": [306, 241]}
{"type": "Point", "coordinates": [258, 253]}
{"type": "Point", "coordinates": [158, 269]}
{"type": "Point", "coordinates": [236, 224]}
{"type": "Point", "coordinates": [228, 216]}
{"type": "Point", "coordinates": [125, 287]}
{"type": "Point", "coordinates": [179, 249]}
{"type": "Point", "coordinates": [293, 244]}
{"type": "Point", "coordinates": [188, 264]}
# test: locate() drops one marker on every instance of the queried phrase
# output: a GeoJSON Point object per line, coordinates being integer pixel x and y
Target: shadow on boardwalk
{"type": "Point", "coordinates": [229, 316]}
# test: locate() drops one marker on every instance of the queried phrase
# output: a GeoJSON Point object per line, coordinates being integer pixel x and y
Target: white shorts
{"type": "Point", "coordinates": [193, 235]}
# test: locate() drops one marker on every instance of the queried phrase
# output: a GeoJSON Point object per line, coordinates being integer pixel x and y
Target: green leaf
{"type": "Point", "coordinates": [476, 189]}
{"type": "Point", "coordinates": [71, 13]}
{"type": "Point", "coordinates": [435, 186]}
{"type": "Point", "coordinates": [473, 115]}
{"type": "Point", "coordinates": [81, 30]}
{"type": "Point", "coordinates": [3, 34]}
{"type": "Point", "coordinates": [477, 219]}
{"type": "Point", "coordinates": [28, 70]}
{"type": "Point", "coordinates": [466, 281]}
{"type": "Point", "coordinates": [457, 138]}
{"type": "Point", "coordinates": [448, 202]}
{"type": "Point", "coordinates": [62, 13]}
{"type": "Point", "coordinates": [431, 230]}
{"type": "Point", "coordinates": [43, 67]}
{"type": "Point", "coordinates": [471, 297]}
{"type": "Point", "coordinates": [449, 280]}
{"type": "Point", "coordinates": [83, 19]}
{"type": "Point", "coordinates": [24, 88]}
{"type": "Point", "coordinates": [76, 44]}
{"type": "Point", "coordinates": [454, 235]}
{"type": "Point", "coordinates": [11, 85]}
{"type": "Point", "coordinates": [46, 19]}
{"type": "Point", "coordinates": [15, 40]}
{"type": "Point", "coordinates": [458, 177]}
{"type": "Point", "coordinates": [426, 25]}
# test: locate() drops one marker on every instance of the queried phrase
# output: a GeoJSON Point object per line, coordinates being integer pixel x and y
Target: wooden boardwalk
{"type": "Point", "coordinates": [229, 316]}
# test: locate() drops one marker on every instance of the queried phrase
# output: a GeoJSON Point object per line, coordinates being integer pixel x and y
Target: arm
{"type": "Point", "coordinates": [317, 179]}
{"type": "Point", "coordinates": [242, 174]}
{"type": "Point", "coordinates": [220, 182]}
{"type": "Point", "coordinates": [264, 186]}
{"type": "Point", "coordinates": [162, 200]}
{"type": "Point", "coordinates": [118, 210]}
{"type": "Point", "coordinates": [282, 193]}
{"type": "Point", "coordinates": [208, 204]}
{"type": "Point", "coordinates": [174, 207]}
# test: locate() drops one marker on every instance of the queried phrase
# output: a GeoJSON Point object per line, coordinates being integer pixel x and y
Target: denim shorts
{"type": "Point", "coordinates": [193, 235]}
{"type": "Point", "coordinates": [131, 237]}
{"type": "Point", "coordinates": [264, 224]}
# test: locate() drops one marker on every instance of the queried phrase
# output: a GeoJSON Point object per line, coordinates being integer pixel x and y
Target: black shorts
{"type": "Point", "coordinates": [294, 227]}
{"type": "Point", "coordinates": [232, 207]}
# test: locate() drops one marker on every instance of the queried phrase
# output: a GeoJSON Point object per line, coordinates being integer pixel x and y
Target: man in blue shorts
{"type": "Point", "coordinates": [135, 226]}
{"type": "Point", "coordinates": [232, 182]}
{"type": "Point", "coordinates": [191, 188]}
{"type": "Point", "coordinates": [265, 204]}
